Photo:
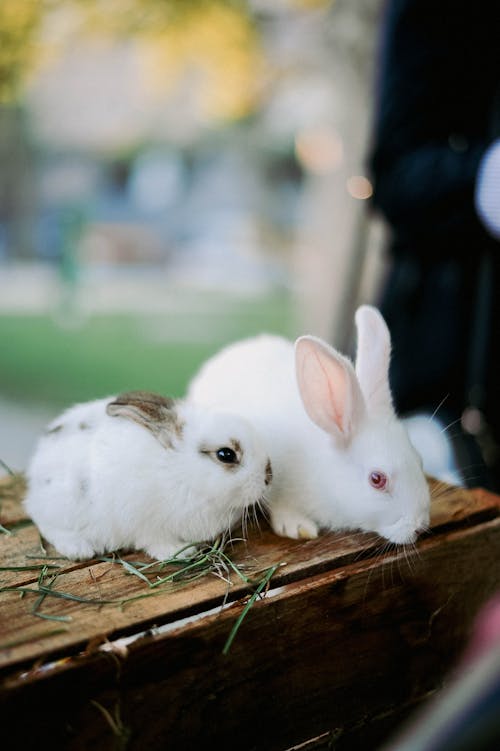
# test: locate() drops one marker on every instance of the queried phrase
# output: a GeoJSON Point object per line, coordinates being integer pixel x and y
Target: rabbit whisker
{"type": "Point", "coordinates": [451, 424]}
{"type": "Point", "coordinates": [438, 407]}
{"type": "Point", "coordinates": [381, 551]}
{"type": "Point", "coordinates": [407, 557]}
{"type": "Point", "coordinates": [263, 504]}
{"type": "Point", "coordinates": [442, 490]}
{"type": "Point", "coordinates": [255, 514]}
{"type": "Point", "coordinates": [247, 516]}
{"type": "Point", "coordinates": [401, 573]}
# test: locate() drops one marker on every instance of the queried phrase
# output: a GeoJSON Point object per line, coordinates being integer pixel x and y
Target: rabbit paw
{"type": "Point", "coordinates": [72, 546]}
{"type": "Point", "coordinates": [289, 523]}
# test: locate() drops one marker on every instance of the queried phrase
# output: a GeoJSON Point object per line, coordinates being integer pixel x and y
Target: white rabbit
{"type": "Point", "coordinates": [142, 471]}
{"type": "Point", "coordinates": [340, 456]}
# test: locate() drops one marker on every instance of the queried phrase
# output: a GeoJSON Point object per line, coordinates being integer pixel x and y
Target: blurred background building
{"type": "Point", "coordinates": [175, 175]}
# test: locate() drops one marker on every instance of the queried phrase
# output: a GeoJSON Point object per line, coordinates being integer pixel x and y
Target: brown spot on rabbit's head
{"type": "Point", "coordinates": [154, 412]}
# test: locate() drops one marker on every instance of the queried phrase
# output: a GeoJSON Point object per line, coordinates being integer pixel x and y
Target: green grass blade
{"type": "Point", "coordinates": [267, 578]}
{"type": "Point", "coordinates": [7, 468]}
{"type": "Point", "coordinates": [47, 617]}
{"type": "Point", "coordinates": [133, 570]}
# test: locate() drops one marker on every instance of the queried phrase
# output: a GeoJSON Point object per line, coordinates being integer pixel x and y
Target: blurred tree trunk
{"type": "Point", "coordinates": [17, 184]}
{"type": "Point", "coordinates": [339, 238]}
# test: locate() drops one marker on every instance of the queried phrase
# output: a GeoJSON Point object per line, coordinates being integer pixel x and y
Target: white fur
{"type": "Point", "coordinates": [104, 482]}
{"type": "Point", "coordinates": [326, 427]}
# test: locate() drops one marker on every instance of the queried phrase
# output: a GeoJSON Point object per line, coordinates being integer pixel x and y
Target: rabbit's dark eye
{"type": "Point", "coordinates": [378, 480]}
{"type": "Point", "coordinates": [226, 455]}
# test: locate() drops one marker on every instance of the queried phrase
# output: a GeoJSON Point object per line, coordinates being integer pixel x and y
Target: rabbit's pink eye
{"type": "Point", "coordinates": [378, 480]}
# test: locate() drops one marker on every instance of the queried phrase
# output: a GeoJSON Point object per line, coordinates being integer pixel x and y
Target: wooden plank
{"type": "Point", "coordinates": [12, 489]}
{"type": "Point", "coordinates": [25, 637]}
{"type": "Point", "coordinates": [314, 656]}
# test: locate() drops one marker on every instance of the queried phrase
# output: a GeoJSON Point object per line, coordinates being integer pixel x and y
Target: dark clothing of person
{"type": "Point", "coordinates": [438, 110]}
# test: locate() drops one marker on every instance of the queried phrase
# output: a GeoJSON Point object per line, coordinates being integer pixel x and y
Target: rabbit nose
{"type": "Point", "coordinates": [269, 473]}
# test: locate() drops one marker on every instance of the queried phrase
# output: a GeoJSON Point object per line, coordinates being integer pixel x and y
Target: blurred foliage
{"type": "Point", "coordinates": [20, 22]}
{"type": "Point", "coordinates": [219, 47]}
{"type": "Point", "coordinates": [44, 363]}
{"type": "Point", "coordinates": [217, 39]}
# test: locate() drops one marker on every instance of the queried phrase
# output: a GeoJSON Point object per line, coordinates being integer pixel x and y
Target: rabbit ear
{"type": "Point", "coordinates": [328, 387]}
{"type": "Point", "coordinates": [372, 358]}
{"type": "Point", "coordinates": [155, 413]}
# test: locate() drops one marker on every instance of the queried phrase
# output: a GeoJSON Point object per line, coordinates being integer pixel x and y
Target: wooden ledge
{"type": "Point", "coordinates": [358, 629]}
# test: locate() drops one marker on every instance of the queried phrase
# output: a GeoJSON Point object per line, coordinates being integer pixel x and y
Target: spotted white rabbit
{"type": "Point", "coordinates": [143, 471]}
{"type": "Point", "coordinates": [341, 457]}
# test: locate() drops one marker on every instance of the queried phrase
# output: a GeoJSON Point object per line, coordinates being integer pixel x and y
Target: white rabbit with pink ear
{"type": "Point", "coordinates": [341, 458]}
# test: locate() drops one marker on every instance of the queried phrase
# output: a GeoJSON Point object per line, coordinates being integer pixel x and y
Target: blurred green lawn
{"type": "Point", "coordinates": [42, 362]}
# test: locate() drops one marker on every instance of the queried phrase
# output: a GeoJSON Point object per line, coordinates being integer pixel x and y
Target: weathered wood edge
{"type": "Point", "coordinates": [305, 560]}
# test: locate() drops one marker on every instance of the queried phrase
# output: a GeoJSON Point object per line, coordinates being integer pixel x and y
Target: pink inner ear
{"type": "Point", "coordinates": [325, 387]}
{"type": "Point", "coordinates": [338, 396]}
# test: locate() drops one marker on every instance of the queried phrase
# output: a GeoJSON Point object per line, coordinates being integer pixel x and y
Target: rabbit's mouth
{"type": "Point", "coordinates": [400, 534]}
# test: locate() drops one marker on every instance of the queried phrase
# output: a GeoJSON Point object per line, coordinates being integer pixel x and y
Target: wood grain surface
{"type": "Point", "coordinates": [346, 630]}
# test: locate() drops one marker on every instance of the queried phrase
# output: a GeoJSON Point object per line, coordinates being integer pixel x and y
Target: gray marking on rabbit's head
{"type": "Point", "coordinates": [54, 430]}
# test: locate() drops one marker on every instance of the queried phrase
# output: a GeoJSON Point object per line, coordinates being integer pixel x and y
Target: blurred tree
{"type": "Point", "coordinates": [215, 39]}
{"type": "Point", "coordinates": [217, 50]}
{"type": "Point", "coordinates": [212, 44]}
{"type": "Point", "coordinates": [19, 25]}
{"type": "Point", "coordinates": [17, 194]}
{"type": "Point", "coordinates": [302, 68]}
